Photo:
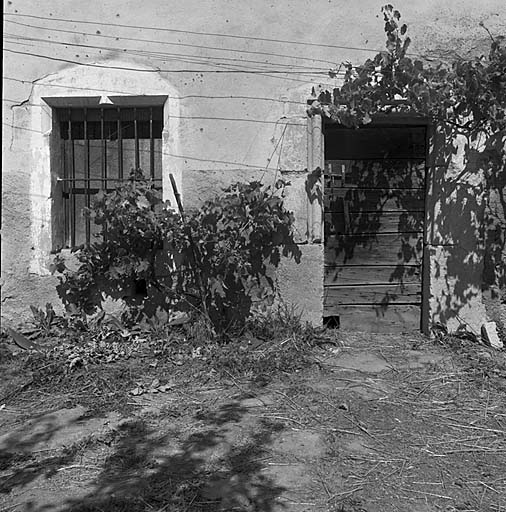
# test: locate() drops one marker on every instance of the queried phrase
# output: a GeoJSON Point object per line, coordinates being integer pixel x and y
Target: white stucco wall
{"type": "Point", "coordinates": [237, 74]}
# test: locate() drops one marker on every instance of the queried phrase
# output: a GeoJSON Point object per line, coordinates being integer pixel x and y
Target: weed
{"type": "Point", "coordinates": [44, 319]}
{"type": "Point", "coordinates": [275, 342]}
{"type": "Point", "coordinates": [199, 333]}
{"type": "Point", "coordinates": [283, 322]}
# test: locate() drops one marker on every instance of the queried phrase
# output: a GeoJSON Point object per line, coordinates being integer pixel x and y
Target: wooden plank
{"type": "Point", "coordinates": [390, 173]}
{"type": "Point", "coordinates": [380, 249]}
{"type": "Point", "coordinates": [373, 294]}
{"type": "Point", "coordinates": [394, 318]}
{"type": "Point", "coordinates": [360, 274]}
{"type": "Point", "coordinates": [374, 195]}
{"type": "Point", "coordinates": [374, 200]}
{"type": "Point", "coordinates": [373, 222]}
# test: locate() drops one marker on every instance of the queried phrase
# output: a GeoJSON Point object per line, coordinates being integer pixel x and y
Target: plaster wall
{"type": "Point", "coordinates": [301, 285]}
{"type": "Point", "coordinates": [238, 75]}
{"type": "Point", "coordinates": [494, 297]}
{"type": "Point", "coordinates": [455, 243]}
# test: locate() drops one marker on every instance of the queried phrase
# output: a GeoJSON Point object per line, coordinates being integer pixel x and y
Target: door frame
{"type": "Point", "coordinates": [316, 159]}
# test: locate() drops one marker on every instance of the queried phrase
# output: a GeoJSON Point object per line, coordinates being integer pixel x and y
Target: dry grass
{"type": "Point", "coordinates": [402, 436]}
{"type": "Point", "coordinates": [435, 433]}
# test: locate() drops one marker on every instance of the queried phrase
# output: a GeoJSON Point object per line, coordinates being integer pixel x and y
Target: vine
{"type": "Point", "coordinates": [470, 95]}
{"type": "Point", "coordinates": [464, 101]}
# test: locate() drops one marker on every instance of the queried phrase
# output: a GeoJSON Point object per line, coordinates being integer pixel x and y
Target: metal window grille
{"type": "Point", "coordinates": [99, 148]}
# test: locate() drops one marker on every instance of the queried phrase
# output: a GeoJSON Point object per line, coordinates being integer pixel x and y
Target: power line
{"type": "Point", "coordinates": [175, 58]}
{"type": "Point", "coordinates": [67, 86]}
{"type": "Point", "coordinates": [156, 41]}
{"type": "Point", "coordinates": [233, 97]}
{"type": "Point", "coordinates": [218, 71]}
{"type": "Point", "coordinates": [192, 32]}
{"type": "Point", "coordinates": [237, 165]}
{"type": "Point", "coordinates": [280, 144]}
{"type": "Point", "coordinates": [227, 119]}
{"type": "Point", "coordinates": [192, 118]}
{"type": "Point", "coordinates": [109, 91]}
{"type": "Point", "coordinates": [160, 55]}
{"type": "Point", "coordinates": [253, 71]}
{"type": "Point", "coordinates": [240, 119]}
{"type": "Point", "coordinates": [250, 166]}
{"type": "Point", "coordinates": [156, 54]}
{"type": "Point", "coordinates": [83, 63]}
{"type": "Point", "coordinates": [240, 98]}
{"type": "Point", "coordinates": [183, 97]}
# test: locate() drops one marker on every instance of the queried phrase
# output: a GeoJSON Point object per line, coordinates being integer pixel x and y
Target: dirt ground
{"type": "Point", "coordinates": [375, 423]}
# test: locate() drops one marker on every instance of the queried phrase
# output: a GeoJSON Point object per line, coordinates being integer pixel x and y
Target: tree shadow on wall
{"type": "Point", "coordinates": [464, 222]}
{"type": "Point", "coordinates": [357, 215]}
{"type": "Point", "coordinates": [374, 218]}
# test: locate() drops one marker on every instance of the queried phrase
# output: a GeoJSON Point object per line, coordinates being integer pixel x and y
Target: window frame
{"type": "Point", "coordinates": [64, 212]}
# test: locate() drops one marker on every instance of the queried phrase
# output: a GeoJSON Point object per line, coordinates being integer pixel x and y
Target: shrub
{"type": "Point", "coordinates": [215, 261]}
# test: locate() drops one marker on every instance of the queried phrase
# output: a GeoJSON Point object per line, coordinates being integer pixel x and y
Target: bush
{"type": "Point", "coordinates": [215, 261]}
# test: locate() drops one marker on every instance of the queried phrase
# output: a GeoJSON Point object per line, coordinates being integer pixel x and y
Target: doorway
{"type": "Point", "coordinates": [374, 209]}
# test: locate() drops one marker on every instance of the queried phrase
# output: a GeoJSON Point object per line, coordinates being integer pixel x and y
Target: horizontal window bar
{"type": "Point", "coordinates": [110, 114]}
{"type": "Point", "coordinates": [110, 130]}
{"type": "Point", "coordinates": [90, 191]}
{"type": "Point", "coordinates": [106, 179]}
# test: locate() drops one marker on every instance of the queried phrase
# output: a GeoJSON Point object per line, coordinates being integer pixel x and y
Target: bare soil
{"type": "Point", "coordinates": [375, 423]}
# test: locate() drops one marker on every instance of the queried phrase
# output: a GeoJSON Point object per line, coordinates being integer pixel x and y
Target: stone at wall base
{"type": "Point", "coordinates": [490, 336]}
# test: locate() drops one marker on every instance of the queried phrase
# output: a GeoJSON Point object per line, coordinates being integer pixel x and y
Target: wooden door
{"type": "Point", "coordinates": [374, 194]}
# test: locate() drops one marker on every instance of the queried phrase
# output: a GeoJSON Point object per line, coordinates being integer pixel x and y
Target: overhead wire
{"type": "Point", "coordinates": [174, 58]}
{"type": "Point", "coordinates": [236, 165]}
{"type": "Point", "coordinates": [182, 97]}
{"type": "Point", "coordinates": [180, 31]}
{"type": "Point", "coordinates": [165, 55]}
{"type": "Point", "coordinates": [194, 32]}
{"type": "Point", "coordinates": [196, 59]}
{"type": "Point", "coordinates": [233, 119]}
{"type": "Point", "coordinates": [269, 160]}
{"type": "Point", "coordinates": [302, 70]}
{"type": "Point", "coordinates": [270, 73]}
{"type": "Point", "coordinates": [171, 43]}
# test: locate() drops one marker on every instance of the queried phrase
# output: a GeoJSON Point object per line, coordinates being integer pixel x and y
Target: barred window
{"type": "Point", "coordinates": [99, 148]}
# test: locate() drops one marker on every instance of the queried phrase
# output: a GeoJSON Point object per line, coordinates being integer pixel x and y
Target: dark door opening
{"type": "Point", "coordinates": [374, 196]}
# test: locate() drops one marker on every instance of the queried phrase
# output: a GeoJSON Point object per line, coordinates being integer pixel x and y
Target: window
{"type": "Point", "coordinates": [99, 145]}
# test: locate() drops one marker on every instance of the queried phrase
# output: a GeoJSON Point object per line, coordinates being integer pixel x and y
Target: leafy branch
{"type": "Point", "coordinates": [215, 260]}
{"type": "Point", "coordinates": [469, 95]}
{"type": "Point", "coordinates": [466, 97]}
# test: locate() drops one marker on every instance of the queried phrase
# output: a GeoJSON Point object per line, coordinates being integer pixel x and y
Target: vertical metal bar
{"type": "Point", "coordinates": [120, 147]}
{"type": "Point", "coordinates": [65, 195]}
{"type": "Point", "coordinates": [430, 132]}
{"type": "Point", "coordinates": [72, 185]}
{"type": "Point", "coordinates": [87, 181]}
{"type": "Point", "coordinates": [104, 155]}
{"type": "Point", "coordinates": [104, 149]}
{"type": "Point", "coordinates": [151, 145]}
{"type": "Point", "coordinates": [136, 135]}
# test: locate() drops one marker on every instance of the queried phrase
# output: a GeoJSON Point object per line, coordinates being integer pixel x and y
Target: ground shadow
{"type": "Point", "coordinates": [203, 472]}
{"type": "Point", "coordinates": [18, 450]}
